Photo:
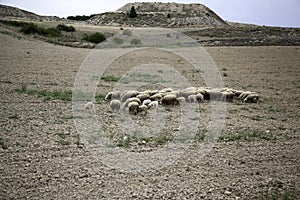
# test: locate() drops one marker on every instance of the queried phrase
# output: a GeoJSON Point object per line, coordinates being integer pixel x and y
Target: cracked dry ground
{"type": "Point", "coordinates": [41, 157]}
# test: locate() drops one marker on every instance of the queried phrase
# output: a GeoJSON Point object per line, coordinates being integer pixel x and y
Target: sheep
{"type": "Point", "coordinates": [153, 92]}
{"type": "Point", "coordinates": [128, 94]}
{"type": "Point", "coordinates": [237, 93]}
{"type": "Point", "coordinates": [90, 107]}
{"type": "Point", "coordinates": [133, 107]}
{"type": "Point", "coordinates": [156, 97]}
{"type": "Point", "coordinates": [192, 98]}
{"type": "Point", "coordinates": [112, 95]}
{"type": "Point", "coordinates": [169, 99]}
{"type": "Point", "coordinates": [189, 89]}
{"type": "Point", "coordinates": [165, 90]}
{"type": "Point", "coordinates": [115, 105]}
{"type": "Point", "coordinates": [143, 96]}
{"type": "Point", "coordinates": [227, 96]}
{"type": "Point", "coordinates": [195, 98]}
{"type": "Point", "coordinates": [215, 95]}
{"type": "Point", "coordinates": [146, 102]}
{"type": "Point", "coordinates": [153, 104]}
{"type": "Point", "coordinates": [143, 109]}
{"type": "Point", "coordinates": [243, 95]}
{"type": "Point", "coordinates": [186, 94]}
{"type": "Point", "coordinates": [180, 99]}
{"type": "Point", "coordinates": [132, 99]}
{"type": "Point", "coordinates": [252, 98]}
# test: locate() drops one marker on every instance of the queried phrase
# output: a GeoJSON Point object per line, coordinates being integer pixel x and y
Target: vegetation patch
{"type": "Point", "coordinates": [63, 27]}
{"type": "Point", "coordinates": [110, 78]}
{"type": "Point", "coordinates": [94, 37]}
{"type": "Point", "coordinates": [47, 95]}
{"type": "Point", "coordinates": [249, 135]}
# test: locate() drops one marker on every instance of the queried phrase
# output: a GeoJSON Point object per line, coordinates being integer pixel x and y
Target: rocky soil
{"type": "Point", "coordinates": [43, 157]}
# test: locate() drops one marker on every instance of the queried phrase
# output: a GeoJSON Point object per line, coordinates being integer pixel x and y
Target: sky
{"type": "Point", "coordinates": [285, 13]}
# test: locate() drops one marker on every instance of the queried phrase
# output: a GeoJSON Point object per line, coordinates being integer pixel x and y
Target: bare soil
{"type": "Point", "coordinates": [41, 157]}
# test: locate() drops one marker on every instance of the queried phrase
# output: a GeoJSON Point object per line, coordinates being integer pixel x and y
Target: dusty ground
{"type": "Point", "coordinates": [41, 157]}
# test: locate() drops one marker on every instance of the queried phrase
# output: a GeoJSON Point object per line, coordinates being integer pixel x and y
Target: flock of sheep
{"type": "Point", "coordinates": [139, 102]}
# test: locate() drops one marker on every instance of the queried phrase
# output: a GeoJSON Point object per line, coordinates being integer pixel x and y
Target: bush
{"type": "Point", "coordinates": [80, 17]}
{"type": "Point", "coordinates": [66, 28]}
{"type": "Point", "coordinates": [132, 13]}
{"type": "Point", "coordinates": [52, 32]}
{"type": "Point", "coordinates": [95, 38]}
{"type": "Point", "coordinates": [32, 28]}
{"type": "Point", "coordinates": [14, 23]}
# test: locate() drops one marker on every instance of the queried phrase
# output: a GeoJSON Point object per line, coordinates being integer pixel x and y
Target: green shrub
{"type": "Point", "coordinates": [32, 28]}
{"type": "Point", "coordinates": [132, 13]}
{"type": "Point", "coordinates": [52, 32]}
{"type": "Point", "coordinates": [95, 38]}
{"type": "Point", "coordinates": [14, 23]}
{"type": "Point", "coordinates": [80, 17]}
{"type": "Point", "coordinates": [63, 27]}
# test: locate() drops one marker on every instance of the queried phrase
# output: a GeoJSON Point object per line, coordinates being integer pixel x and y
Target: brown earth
{"type": "Point", "coordinates": [41, 157]}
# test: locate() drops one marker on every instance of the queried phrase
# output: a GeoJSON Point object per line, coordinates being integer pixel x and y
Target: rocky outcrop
{"type": "Point", "coordinates": [161, 15]}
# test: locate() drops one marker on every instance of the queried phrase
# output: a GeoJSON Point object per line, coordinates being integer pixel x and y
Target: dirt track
{"type": "Point", "coordinates": [36, 164]}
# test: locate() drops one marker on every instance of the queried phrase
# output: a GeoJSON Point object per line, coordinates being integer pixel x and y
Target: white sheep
{"type": "Point", "coordinates": [90, 107]}
{"type": "Point", "coordinates": [192, 98]}
{"type": "Point", "coordinates": [112, 95]}
{"type": "Point", "coordinates": [115, 105]}
{"type": "Point", "coordinates": [146, 102]}
{"type": "Point", "coordinates": [133, 107]}
{"type": "Point", "coordinates": [153, 105]}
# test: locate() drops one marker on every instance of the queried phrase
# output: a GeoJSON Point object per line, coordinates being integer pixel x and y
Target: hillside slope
{"type": "Point", "coordinates": [161, 15]}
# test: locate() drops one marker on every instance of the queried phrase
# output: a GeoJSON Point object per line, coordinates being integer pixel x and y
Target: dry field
{"type": "Point", "coordinates": [42, 157]}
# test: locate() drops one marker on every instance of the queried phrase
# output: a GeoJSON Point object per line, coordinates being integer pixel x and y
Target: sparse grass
{"type": "Point", "coordinates": [200, 136]}
{"type": "Point", "coordinates": [99, 97]}
{"type": "Point", "coordinates": [64, 142]}
{"type": "Point", "coordinates": [110, 78]}
{"type": "Point", "coordinates": [249, 135]}
{"type": "Point", "coordinates": [61, 135]}
{"type": "Point", "coordinates": [47, 95]}
{"type": "Point", "coordinates": [162, 139]}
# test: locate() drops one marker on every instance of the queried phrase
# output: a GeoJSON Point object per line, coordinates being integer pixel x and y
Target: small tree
{"type": "Point", "coordinates": [132, 13]}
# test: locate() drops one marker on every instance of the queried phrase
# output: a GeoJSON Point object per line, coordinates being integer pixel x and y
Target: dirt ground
{"type": "Point", "coordinates": [41, 157]}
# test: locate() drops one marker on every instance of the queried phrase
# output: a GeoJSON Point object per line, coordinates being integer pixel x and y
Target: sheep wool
{"type": "Point", "coordinates": [115, 105]}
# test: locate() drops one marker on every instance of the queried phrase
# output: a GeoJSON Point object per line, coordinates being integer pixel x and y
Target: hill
{"type": "Point", "coordinates": [161, 15]}
{"type": "Point", "coordinates": [9, 11]}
